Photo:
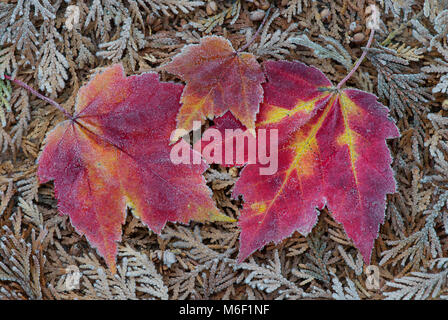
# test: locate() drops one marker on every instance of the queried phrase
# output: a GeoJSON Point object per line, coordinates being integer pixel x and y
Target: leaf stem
{"type": "Point", "coordinates": [37, 94]}
{"type": "Point", "coordinates": [358, 63]}
{"type": "Point", "coordinates": [256, 32]}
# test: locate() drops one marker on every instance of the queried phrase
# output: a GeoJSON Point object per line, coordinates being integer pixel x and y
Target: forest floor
{"type": "Point", "coordinates": [57, 51]}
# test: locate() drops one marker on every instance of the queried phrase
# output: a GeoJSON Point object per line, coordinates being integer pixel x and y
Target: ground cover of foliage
{"type": "Point", "coordinates": [57, 46]}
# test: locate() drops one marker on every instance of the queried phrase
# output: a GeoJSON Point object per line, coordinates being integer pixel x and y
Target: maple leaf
{"type": "Point", "coordinates": [114, 154]}
{"type": "Point", "coordinates": [332, 152]}
{"type": "Point", "coordinates": [217, 79]}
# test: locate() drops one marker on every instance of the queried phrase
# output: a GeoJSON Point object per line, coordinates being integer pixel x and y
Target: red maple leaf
{"type": "Point", "coordinates": [114, 154]}
{"type": "Point", "coordinates": [332, 152]}
{"type": "Point", "coordinates": [218, 79]}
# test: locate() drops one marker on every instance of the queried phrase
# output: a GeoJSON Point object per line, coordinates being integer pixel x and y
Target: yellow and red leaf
{"type": "Point", "coordinates": [332, 152]}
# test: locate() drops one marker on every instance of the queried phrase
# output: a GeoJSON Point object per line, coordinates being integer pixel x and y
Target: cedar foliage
{"type": "Point", "coordinates": [57, 45]}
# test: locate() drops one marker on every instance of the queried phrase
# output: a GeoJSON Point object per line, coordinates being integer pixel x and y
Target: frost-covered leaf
{"type": "Point", "coordinates": [332, 152]}
{"type": "Point", "coordinates": [218, 79]}
{"type": "Point", "coordinates": [114, 154]}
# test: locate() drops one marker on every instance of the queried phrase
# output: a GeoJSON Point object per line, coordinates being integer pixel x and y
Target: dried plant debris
{"type": "Point", "coordinates": [277, 44]}
{"type": "Point", "coordinates": [231, 11]}
{"type": "Point", "coordinates": [136, 278]}
{"type": "Point", "coordinates": [421, 285]}
{"type": "Point", "coordinates": [22, 261]}
{"type": "Point", "coordinates": [332, 50]}
{"type": "Point", "coordinates": [56, 46]}
{"type": "Point", "coordinates": [403, 89]}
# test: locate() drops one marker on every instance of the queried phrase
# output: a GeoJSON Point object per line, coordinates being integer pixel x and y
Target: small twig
{"type": "Point", "coordinates": [256, 33]}
{"type": "Point", "coordinates": [358, 63]}
{"type": "Point", "coordinates": [37, 94]}
{"type": "Point", "coordinates": [402, 26]}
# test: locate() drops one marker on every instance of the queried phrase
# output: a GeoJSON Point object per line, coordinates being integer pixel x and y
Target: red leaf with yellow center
{"type": "Point", "coordinates": [332, 152]}
{"type": "Point", "coordinates": [217, 79]}
{"type": "Point", "coordinates": [115, 155]}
